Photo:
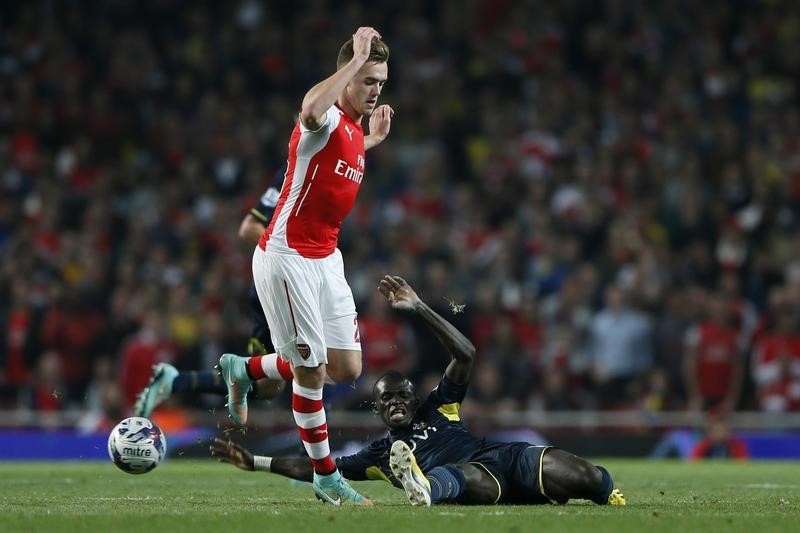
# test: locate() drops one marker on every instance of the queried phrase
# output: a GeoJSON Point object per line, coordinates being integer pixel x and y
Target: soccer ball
{"type": "Point", "coordinates": [136, 445]}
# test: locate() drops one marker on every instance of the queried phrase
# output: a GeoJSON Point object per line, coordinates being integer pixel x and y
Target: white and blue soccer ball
{"type": "Point", "coordinates": [136, 445]}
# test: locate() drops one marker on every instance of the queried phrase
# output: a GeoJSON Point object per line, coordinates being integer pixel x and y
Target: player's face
{"type": "Point", "coordinates": [366, 86]}
{"type": "Point", "coordinates": [395, 402]}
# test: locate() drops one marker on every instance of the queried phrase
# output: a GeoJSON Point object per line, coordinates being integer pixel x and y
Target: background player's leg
{"type": "Point", "coordinates": [566, 476]}
{"type": "Point", "coordinates": [167, 380]}
{"type": "Point", "coordinates": [210, 382]}
{"type": "Point", "coordinates": [205, 381]}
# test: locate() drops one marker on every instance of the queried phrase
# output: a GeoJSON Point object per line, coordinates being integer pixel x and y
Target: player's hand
{"type": "Point", "coordinates": [362, 42]}
{"type": "Point", "coordinates": [398, 292]}
{"type": "Point", "coordinates": [232, 453]}
{"type": "Point", "coordinates": [380, 122]}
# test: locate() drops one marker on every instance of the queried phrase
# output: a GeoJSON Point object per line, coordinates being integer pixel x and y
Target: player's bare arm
{"type": "Point", "coordinates": [380, 122]}
{"type": "Point", "coordinates": [323, 95]}
{"type": "Point", "coordinates": [250, 229]}
{"type": "Point", "coordinates": [232, 453]}
{"type": "Point", "coordinates": [400, 294]}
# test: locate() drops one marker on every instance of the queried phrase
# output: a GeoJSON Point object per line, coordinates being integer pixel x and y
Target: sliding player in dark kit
{"type": "Point", "coordinates": [431, 454]}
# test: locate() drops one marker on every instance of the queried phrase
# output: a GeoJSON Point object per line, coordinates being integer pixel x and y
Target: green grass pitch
{"type": "Point", "coordinates": [198, 496]}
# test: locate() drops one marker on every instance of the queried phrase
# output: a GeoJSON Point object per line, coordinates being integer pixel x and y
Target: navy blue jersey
{"type": "Point", "coordinates": [266, 204]}
{"type": "Point", "coordinates": [437, 437]}
{"type": "Point", "coordinates": [262, 211]}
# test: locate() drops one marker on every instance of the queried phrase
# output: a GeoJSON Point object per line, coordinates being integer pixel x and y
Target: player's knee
{"type": "Point", "coordinates": [562, 466]}
{"type": "Point", "coordinates": [345, 370]}
{"type": "Point", "coordinates": [471, 473]}
{"type": "Point", "coordinates": [313, 377]}
{"type": "Point", "coordinates": [346, 374]}
{"type": "Point", "coordinates": [480, 488]}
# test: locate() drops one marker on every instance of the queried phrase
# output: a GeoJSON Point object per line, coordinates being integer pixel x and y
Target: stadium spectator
{"type": "Point", "coordinates": [776, 361]}
{"type": "Point", "coordinates": [141, 351]}
{"type": "Point", "coordinates": [713, 368]}
{"type": "Point", "coordinates": [18, 327]}
{"type": "Point", "coordinates": [640, 139]}
{"type": "Point", "coordinates": [386, 341]}
{"type": "Point", "coordinates": [620, 350]}
{"type": "Point", "coordinates": [47, 395]}
{"type": "Point", "coordinates": [675, 319]}
{"type": "Point", "coordinates": [104, 406]}
{"type": "Point", "coordinates": [719, 443]}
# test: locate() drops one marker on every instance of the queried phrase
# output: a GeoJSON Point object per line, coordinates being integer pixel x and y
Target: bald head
{"type": "Point", "coordinates": [394, 399]}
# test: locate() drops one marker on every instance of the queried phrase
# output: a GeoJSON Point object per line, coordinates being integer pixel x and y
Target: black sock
{"type": "Point", "coordinates": [606, 486]}
{"type": "Point", "coordinates": [199, 381]}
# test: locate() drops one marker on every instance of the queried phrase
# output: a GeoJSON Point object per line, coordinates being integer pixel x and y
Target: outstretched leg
{"type": "Point", "coordinates": [462, 483]}
{"type": "Point", "coordinates": [566, 476]}
{"type": "Point", "coordinates": [480, 488]}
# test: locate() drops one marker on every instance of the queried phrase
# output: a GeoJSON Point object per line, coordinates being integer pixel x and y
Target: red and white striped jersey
{"type": "Point", "coordinates": [325, 169]}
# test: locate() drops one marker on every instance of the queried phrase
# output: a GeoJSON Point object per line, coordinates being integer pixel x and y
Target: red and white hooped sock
{"type": "Point", "coordinates": [309, 415]}
{"type": "Point", "coordinates": [269, 366]}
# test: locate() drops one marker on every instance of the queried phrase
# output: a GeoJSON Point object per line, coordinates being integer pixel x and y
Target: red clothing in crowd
{"type": "Point", "coordinates": [72, 336]}
{"type": "Point", "coordinates": [17, 370]}
{"type": "Point", "coordinates": [731, 448]}
{"type": "Point", "coordinates": [716, 351]}
{"type": "Point", "coordinates": [138, 355]}
{"type": "Point", "coordinates": [383, 341]}
{"type": "Point", "coordinates": [776, 372]}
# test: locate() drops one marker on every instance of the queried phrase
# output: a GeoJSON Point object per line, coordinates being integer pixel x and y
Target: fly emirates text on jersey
{"type": "Point", "coordinates": [352, 173]}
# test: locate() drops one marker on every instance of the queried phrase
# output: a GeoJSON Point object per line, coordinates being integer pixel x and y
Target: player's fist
{"type": "Point", "coordinates": [362, 42]}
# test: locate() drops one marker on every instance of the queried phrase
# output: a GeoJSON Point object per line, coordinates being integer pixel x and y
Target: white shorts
{"type": "Point", "coordinates": [308, 305]}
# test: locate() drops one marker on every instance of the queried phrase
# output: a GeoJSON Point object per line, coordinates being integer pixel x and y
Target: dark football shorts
{"type": "Point", "coordinates": [517, 469]}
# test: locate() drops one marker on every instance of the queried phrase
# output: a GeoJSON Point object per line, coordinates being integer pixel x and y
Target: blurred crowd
{"type": "Point", "coordinates": [603, 196]}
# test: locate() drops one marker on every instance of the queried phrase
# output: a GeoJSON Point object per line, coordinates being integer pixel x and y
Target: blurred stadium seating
{"type": "Point", "coordinates": [612, 189]}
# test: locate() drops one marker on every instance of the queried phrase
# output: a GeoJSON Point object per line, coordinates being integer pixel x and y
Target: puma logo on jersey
{"type": "Point", "coordinates": [349, 131]}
